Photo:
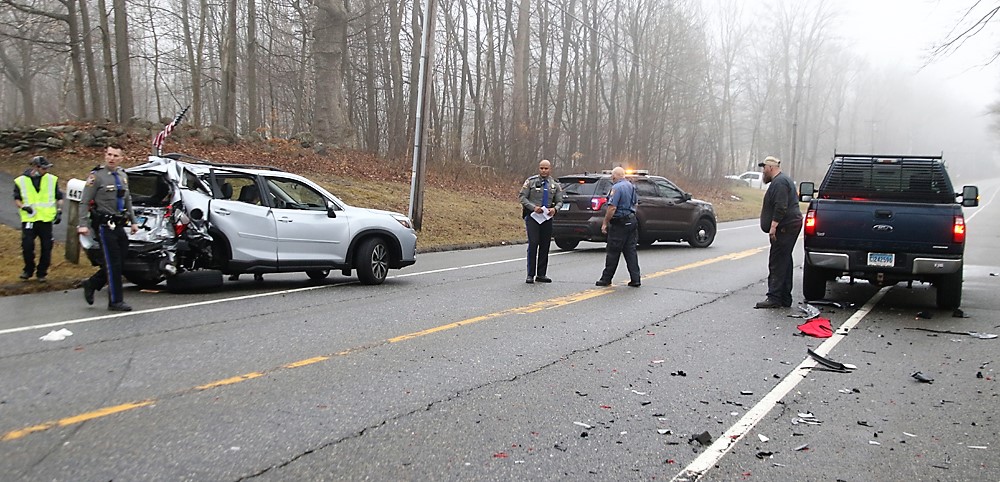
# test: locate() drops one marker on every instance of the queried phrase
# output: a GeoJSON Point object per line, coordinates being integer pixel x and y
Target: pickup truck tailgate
{"type": "Point", "coordinates": [885, 226]}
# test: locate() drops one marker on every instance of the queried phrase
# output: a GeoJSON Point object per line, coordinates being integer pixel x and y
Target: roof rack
{"type": "Point", "coordinates": [195, 160]}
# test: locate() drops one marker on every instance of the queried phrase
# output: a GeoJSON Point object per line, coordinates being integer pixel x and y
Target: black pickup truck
{"type": "Point", "coordinates": [886, 219]}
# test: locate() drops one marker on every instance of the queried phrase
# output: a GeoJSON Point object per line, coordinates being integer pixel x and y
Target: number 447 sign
{"type": "Point", "coordinates": [74, 189]}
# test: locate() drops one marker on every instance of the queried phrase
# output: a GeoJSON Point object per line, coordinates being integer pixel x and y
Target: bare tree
{"type": "Point", "coordinates": [331, 123]}
{"type": "Point", "coordinates": [123, 58]}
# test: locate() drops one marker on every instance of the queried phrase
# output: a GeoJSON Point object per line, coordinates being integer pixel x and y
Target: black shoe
{"type": "Point", "coordinates": [634, 284]}
{"type": "Point", "coordinates": [119, 306]}
{"type": "Point", "coordinates": [88, 292]}
{"type": "Point", "coordinates": [767, 304]}
{"type": "Point", "coordinates": [543, 279]}
{"type": "Point", "coordinates": [25, 276]}
{"type": "Point", "coordinates": [529, 280]}
{"type": "Point", "coordinates": [601, 282]}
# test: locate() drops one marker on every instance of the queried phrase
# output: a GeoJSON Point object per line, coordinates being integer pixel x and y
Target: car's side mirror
{"type": "Point", "coordinates": [970, 196]}
{"type": "Point", "coordinates": [687, 196]}
{"type": "Point", "coordinates": [331, 209]}
{"type": "Point", "coordinates": [806, 191]}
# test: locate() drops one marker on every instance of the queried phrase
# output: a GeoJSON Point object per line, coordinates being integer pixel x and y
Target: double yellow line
{"type": "Point", "coordinates": [531, 308]}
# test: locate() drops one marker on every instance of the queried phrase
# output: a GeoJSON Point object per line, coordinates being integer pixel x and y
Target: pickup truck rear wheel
{"type": "Point", "coordinates": [372, 261]}
{"type": "Point", "coordinates": [949, 291]}
{"type": "Point", "coordinates": [813, 283]}
{"type": "Point", "coordinates": [567, 244]}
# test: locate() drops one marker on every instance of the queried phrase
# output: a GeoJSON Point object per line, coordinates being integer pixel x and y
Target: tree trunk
{"type": "Point", "coordinates": [109, 71]}
{"type": "Point", "coordinates": [229, 68]}
{"type": "Point", "coordinates": [19, 76]}
{"type": "Point", "coordinates": [126, 108]}
{"type": "Point", "coordinates": [194, 65]}
{"type": "Point", "coordinates": [253, 97]}
{"type": "Point", "coordinates": [395, 106]}
{"type": "Point", "coordinates": [88, 55]}
{"type": "Point", "coordinates": [330, 123]}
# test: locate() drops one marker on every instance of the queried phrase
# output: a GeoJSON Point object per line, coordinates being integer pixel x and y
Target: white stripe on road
{"type": "Point", "coordinates": [245, 297]}
{"type": "Point", "coordinates": [721, 446]}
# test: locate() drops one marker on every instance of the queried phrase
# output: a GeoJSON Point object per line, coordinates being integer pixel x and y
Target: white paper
{"type": "Point", "coordinates": [56, 335]}
{"type": "Point", "coordinates": [543, 216]}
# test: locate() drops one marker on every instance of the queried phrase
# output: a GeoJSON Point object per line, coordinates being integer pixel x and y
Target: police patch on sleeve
{"type": "Point", "coordinates": [91, 179]}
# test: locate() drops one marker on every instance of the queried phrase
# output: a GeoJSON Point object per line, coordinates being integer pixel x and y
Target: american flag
{"type": "Point", "coordinates": [158, 140]}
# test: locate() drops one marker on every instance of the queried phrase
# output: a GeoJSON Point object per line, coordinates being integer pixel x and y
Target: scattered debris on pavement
{"type": "Point", "coordinates": [922, 378]}
{"type": "Point", "coordinates": [817, 327]}
{"type": "Point", "coordinates": [829, 364]}
{"type": "Point", "coordinates": [974, 334]}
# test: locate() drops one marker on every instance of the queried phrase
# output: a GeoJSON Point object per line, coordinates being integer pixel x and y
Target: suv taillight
{"type": "Point", "coordinates": [810, 225]}
{"type": "Point", "coordinates": [958, 229]}
{"type": "Point", "coordinates": [597, 203]}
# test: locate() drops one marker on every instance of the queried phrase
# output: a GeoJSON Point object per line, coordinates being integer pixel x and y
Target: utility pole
{"type": "Point", "coordinates": [424, 78]}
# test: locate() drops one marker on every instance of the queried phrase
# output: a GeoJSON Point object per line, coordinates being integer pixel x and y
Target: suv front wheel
{"type": "Point", "coordinates": [372, 261]}
{"type": "Point", "coordinates": [703, 233]}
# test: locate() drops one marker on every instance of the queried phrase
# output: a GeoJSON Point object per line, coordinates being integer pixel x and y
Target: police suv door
{"type": "Point", "coordinates": [307, 236]}
{"type": "Point", "coordinates": [249, 225]}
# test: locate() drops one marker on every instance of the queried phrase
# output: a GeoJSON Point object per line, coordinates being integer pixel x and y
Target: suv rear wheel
{"type": "Point", "coordinates": [372, 261]}
{"type": "Point", "coordinates": [567, 244]}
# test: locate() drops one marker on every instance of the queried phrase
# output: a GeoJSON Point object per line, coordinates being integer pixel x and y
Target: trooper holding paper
{"type": "Point", "coordinates": [541, 197]}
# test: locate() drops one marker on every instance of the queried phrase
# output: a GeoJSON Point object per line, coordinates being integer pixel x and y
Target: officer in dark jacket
{"type": "Point", "coordinates": [781, 219]}
{"type": "Point", "coordinates": [541, 197]}
{"type": "Point", "coordinates": [622, 229]}
{"type": "Point", "coordinates": [107, 208]}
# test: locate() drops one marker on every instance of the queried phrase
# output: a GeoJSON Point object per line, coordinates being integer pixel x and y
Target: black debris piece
{"type": "Point", "coordinates": [581, 393]}
{"type": "Point", "coordinates": [703, 438]}
{"type": "Point", "coordinates": [830, 364]}
{"type": "Point", "coordinates": [922, 378]}
{"type": "Point", "coordinates": [678, 373]}
{"type": "Point", "coordinates": [974, 334]}
{"type": "Point", "coordinates": [559, 447]}
{"type": "Point", "coordinates": [746, 392]}
{"type": "Point", "coordinates": [979, 374]}
{"type": "Point", "coordinates": [864, 423]}
{"type": "Point", "coordinates": [763, 455]}
{"type": "Point", "coordinates": [925, 315]}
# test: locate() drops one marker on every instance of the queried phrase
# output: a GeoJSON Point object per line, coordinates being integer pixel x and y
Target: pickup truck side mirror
{"type": "Point", "coordinates": [970, 196]}
{"type": "Point", "coordinates": [806, 191]}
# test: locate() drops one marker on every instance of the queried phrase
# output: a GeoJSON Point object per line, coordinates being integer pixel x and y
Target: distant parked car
{"type": "Point", "coordinates": [753, 179]}
{"type": "Point", "coordinates": [665, 213]}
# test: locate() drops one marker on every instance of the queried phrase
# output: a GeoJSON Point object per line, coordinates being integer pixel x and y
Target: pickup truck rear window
{"type": "Point", "coordinates": [893, 179]}
{"type": "Point", "coordinates": [585, 186]}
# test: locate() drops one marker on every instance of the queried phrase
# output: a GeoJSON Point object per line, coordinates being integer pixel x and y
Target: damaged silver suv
{"type": "Point", "coordinates": [199, 220]}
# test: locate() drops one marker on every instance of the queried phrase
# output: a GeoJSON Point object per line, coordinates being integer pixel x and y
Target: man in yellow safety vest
{"type": "Point", "coordinates": [39, 202]}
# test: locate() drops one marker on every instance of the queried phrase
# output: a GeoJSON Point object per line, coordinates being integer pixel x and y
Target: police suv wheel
{"type": "Point", "coordinates": [567, 244]}
{"type": "Point", "coordinates": [703, 233]}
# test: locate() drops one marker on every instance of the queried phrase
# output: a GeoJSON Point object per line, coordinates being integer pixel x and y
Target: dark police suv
{"type": "Point", "coordinates": [665, 211]}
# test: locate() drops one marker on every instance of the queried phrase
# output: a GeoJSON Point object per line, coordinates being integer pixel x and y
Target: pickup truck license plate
{"type": "Point", "coordinates": [881, 259]}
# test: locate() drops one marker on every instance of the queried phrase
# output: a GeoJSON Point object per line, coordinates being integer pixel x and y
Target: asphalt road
{"type": "Point", "coordinates": [455, 369]}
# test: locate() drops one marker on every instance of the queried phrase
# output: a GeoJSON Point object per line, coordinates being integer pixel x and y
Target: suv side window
{"type": "Point", "coordinates": [291, 194]}
{"type": "Point", "coordinates": [668, 190]}
{"type": "Point", "coordinates": [645, 188]}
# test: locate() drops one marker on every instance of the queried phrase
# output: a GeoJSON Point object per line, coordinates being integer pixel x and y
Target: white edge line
{"type": "Point", "coordinates": [240, 298]}
{"type": "Point", "coordinates": [697, 468]}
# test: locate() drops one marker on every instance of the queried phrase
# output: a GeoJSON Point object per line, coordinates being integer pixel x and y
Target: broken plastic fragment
{"type": "Point", "coordinates": [764, 455]}
{"type": "Point", "coordinates": [909, 434]}
{"type": "Point", "coordinates": [802, 447]}
{"type": "Point", "coordinates": [872, 442]}
{"type": "Point", "coordinates": [922, 378]}
{"type": "Point", "coordinates": [582, 424]}
{"type": "Point", "coordinates": [56, 335]}
{"type": "Point", "coordinates": [762, 438]}
{"type": "Point", "coordinates": [828, 363]}
{"type": "Point", "coordinates": [817, 327]}
{"type": "Point", "coordinates": [663, 431]}
{"type": "Point", "coordinates": [810, 311]}
{"type": "Point", "coordinates": [980, 447]}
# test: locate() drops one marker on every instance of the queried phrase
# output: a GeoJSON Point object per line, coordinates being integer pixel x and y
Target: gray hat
{"type": "Point", "coordinates": [41, 161]}
{"type": "Point", "coordinates": [770, 161]}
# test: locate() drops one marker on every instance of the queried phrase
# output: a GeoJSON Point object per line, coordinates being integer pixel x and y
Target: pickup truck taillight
{"type": "Point", "coordinates": [810, 225]}
{"type": "Point", "coordinates": [597, 203]}
{"type": "Point", "coordinates": [958, 229]}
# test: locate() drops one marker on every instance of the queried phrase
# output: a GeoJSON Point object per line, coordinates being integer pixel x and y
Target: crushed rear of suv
{"type": "Point", "coordinates": [665, 212]}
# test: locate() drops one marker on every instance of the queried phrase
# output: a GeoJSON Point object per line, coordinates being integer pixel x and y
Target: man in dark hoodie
{"type": "Point", "coordinates": [781, 219]}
